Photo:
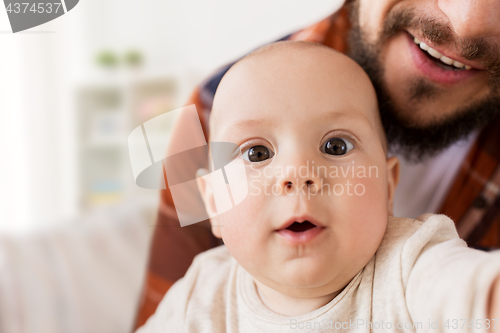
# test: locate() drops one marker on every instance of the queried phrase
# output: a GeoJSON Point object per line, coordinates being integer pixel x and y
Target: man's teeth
{"type": "Point", "coordinates": [439, 56]}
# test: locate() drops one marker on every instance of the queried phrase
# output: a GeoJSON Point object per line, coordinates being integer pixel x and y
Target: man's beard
{"type": "Point", "coordinates": [406, 139]}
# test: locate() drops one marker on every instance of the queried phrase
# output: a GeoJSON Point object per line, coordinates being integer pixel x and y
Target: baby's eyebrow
{"type": "Point", "coordinates": [357, 117]}
{"type": "Point", "coordinates": [249, 123]}
{"type": "Point", "coordinates": [244, 124]}
{"type": "Point", "coordinates": [347, 115]}
{"type": "Point", "coordinates": [334, 115]}
{"type": "Point", "coordinates": [260, 122]}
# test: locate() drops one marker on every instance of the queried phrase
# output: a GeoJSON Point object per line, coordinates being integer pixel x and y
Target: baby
{"type": "Point", "coordinates": [313, 246]}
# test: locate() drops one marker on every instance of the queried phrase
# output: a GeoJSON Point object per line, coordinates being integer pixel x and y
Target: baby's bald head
{"type": "Point", "coordinates": [304, 68]}
{"type": "Point", "coordinates": [306, 122]}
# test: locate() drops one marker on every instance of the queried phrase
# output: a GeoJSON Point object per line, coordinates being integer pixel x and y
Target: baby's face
{"type": "Point", "coordinates": [307, 125]}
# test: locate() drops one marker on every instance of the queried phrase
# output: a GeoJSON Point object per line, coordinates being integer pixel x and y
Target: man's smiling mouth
{"type": "Point", "coordinates": [450, 63]}
{"type": "Point", "coordinates": [436, 66]}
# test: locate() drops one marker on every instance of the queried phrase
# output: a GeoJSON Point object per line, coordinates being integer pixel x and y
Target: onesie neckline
{"type": "Point", "coordinates": [248, 291]}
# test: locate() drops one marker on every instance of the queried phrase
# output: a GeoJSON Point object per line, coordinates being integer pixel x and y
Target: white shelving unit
{"type": "Point", "coordinates": [108, 110]}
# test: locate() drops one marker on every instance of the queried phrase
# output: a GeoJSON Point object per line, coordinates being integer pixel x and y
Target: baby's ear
{"type": "Point", "coordinates": [203, 180]}
{"type": "Point", "coordinates": [392, 181]}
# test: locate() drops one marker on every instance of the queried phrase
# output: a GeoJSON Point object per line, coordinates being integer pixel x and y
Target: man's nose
{"type": "Point", "coordinates": [473, 18]}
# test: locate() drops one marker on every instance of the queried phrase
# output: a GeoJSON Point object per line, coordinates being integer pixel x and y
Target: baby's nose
{"type": "Point", "coordinates": [290, 184]}
{"type": "Point", "coordinates": [300, 185]}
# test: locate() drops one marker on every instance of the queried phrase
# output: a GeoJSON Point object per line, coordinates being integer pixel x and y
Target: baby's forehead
{"type": "Point", "coordinates": [291, 80]}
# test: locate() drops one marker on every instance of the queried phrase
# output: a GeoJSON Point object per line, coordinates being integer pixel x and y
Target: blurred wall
{"type": "Point", "coordinates": [42, 69]}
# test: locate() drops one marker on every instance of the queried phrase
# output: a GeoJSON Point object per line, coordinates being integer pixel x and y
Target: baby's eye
{"type": "Point", "coordinates": [337, 146]}
{"type": "Point", "coordinates": [257, 154]}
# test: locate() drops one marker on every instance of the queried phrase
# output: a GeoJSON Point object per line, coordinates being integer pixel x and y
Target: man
{"type": "Point", "coordinates": [436, 69]}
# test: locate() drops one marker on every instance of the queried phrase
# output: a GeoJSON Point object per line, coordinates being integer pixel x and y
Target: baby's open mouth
{"type": "Point", "coordinates": [301, 226]}
{"type": "Point", "coordinates": [300, 230]}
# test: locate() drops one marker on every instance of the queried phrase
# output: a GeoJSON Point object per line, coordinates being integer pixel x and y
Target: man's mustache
{"type": "Point", "coordinates": [440, 33]}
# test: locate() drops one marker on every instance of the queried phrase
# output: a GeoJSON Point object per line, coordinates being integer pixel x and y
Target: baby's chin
{"type": "Point", "coordinates": [305, 280]}
{"type": "Point", "coordinates": [300, 289]}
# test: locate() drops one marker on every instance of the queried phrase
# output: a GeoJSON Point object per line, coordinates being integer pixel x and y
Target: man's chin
{"type": "Point", "coordinates": [420, 113]}
{"type": "Point", "coordinates": [425, 124]}
{"type": "Point", "coordinates": [416, 142]}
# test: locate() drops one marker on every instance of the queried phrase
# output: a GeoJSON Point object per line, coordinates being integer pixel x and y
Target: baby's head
{"type": "Point", "coordinates": [320, 185]}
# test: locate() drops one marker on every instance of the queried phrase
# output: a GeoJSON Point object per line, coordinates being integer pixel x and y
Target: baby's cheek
{"type": "Point", "coordinates": [242, 225]}
{"type": "Point", "coordinates": [371, 211]}
{"type": "Point", "coordinates": [360, 216]}
{"type": "Point", "coordinates": [245, 239]}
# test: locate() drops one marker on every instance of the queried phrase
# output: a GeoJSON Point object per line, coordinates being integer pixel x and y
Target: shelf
{"type": "Point", "coordinates": [108, 110]}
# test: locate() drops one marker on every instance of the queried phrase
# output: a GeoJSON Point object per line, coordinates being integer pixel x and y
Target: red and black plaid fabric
{"type": "Point", "coordinates": [472, 202]}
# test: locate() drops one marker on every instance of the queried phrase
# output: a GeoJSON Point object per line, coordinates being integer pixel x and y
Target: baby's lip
{"type": "Point", "coordinates": [300, 219]}
{"type": "Point", "coordinates": [300, 229]}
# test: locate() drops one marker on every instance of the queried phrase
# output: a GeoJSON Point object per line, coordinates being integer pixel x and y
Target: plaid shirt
{"type": "Point", "coordinates": [473, 200]}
